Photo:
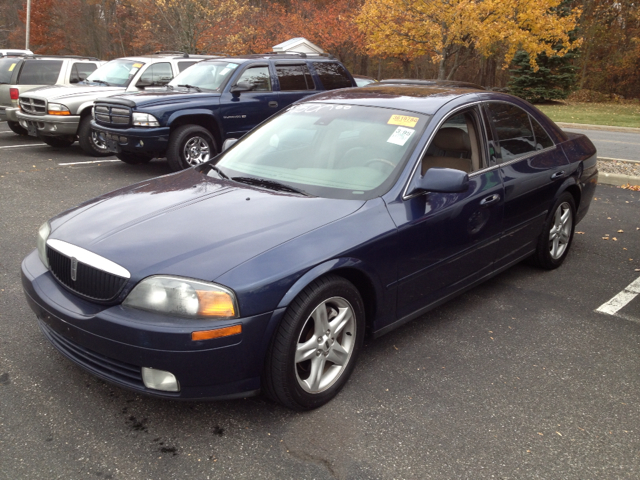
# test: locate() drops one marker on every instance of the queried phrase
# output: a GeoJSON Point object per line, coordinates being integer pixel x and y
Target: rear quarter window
{"type": "Point", "coordinates": [332, 75]}
{"type": "Point", "coordinates": [40, 72]}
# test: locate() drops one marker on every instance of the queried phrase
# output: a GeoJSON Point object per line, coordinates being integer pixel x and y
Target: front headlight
{"type": "Point", "coordinates": [145, 120]}
{"type": "Point", "coordinates": [43, 235]}
{"type": "Point", "coordinates": [57, 109]}
{"type": "Point", "coordinates": [183, 297]}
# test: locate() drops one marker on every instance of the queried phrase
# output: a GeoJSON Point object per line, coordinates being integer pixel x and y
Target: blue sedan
{"type": "Point", "coordinates": [349, 213]}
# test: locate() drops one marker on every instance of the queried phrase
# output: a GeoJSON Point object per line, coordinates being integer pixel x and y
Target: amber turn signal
{"type": "Point", "coordinates": [217, 333]}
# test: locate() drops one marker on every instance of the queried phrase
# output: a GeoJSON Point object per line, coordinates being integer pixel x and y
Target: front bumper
{"type": "Point", "coordinates": [114, 342]}
{"type": "Point", "coordinates": [8, 114]}
{"type": "Point", "coordinates": [135, 139]}
{"type": "Point", "coordinates": [50, 125]}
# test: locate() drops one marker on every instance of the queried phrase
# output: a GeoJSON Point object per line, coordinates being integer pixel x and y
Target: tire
{"type": "Point", "coordinates": [557, 234]}
{"type": "Point", "coordinates": [89, 140]}
{"type": "Point", "coordinates": [58, 142]}
{"type": "Point", "coordinates": [16, 128]}
{"type": "Point", "coordinates": [134, 158]}
{"type": "Point", "coordinates": [327, 345]}
{"type": "Point", "coordinates": [190, 145]}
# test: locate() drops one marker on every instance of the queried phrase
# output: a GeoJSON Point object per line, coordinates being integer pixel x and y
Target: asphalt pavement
{"type": "Point", "coordinates": [520, 378]}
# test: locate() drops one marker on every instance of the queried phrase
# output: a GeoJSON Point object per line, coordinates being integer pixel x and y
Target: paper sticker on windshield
{"type": "Point", "coordinates": [403, 121]}
{"type": "Point", "coordinates": [400, 136]}
{"type": "Point", "coordinates": [137, 65]}
{"type": "Point", "coordinates": [224, 71]}
{"type": "Point", "coordinates": [232, 65]}
{"type": "Point", "coordinates": [13, 65]}
{"type": "Point", "coordinates": [133, 71]}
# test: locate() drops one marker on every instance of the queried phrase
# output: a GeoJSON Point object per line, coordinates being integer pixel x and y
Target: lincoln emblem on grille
{"type": "Point", "coordinates": [74, 268]}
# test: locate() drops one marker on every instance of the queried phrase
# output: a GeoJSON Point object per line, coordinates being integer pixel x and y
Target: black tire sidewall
{"type": "Point", "coordinates": [284, 385]}
{"type": "Point", "coordinates": [543, 256]}
{"type": "Point", "coordinates": [17, 128]}
{"type": "Point", "coordinates": [179, 138]}
{"type": "Point", "coordinates": [86, 142]}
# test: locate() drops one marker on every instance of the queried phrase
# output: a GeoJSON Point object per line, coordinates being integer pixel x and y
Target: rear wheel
{"type": "Point", "coordinates": [190, 145]}
{"type": "Point", "coordinates": [134, 158]}
{"type": "Point", "coordinates": [90, 141]}
{"type": "Point", "coordinates": [16, 128]}
{"type": "Point", "coordinates": [315, 348]}
{"type": "Point", "coordinates": [58, 142]}
{"type": "Point", "coordinates": [557, 234]}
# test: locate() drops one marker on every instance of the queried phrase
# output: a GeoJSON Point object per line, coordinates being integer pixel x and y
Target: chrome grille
{"type": "Point", "coordinates": [90, 282]}
{"type": "Point", "coordinates": [112, 115]}
{"type": "Point", "coordinates": [34, 106]}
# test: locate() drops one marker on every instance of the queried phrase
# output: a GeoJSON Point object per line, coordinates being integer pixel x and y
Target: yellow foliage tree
{"type": "Point", "coordinates": [441, 29]}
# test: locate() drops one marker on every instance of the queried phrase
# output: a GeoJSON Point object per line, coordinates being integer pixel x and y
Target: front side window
{"type": "Point", "coordinates": [207, 75]}
{"type": "Point", "coordinates": [116, 73]}
{"type": "Point", "coordinates": [40, 72]}
{"type": "Point", "coordinates": [294, 77]}
{"type": "Point", "coordinates": [80, 71]}
{"type": "Point", "coordinates": [258, 77]}
{"type": "Point", "coordinates": [328, 150]}
{"type": "Point", "coordinates": [332, 75]}
{"type": "Point", "coordinates": [156, 75]}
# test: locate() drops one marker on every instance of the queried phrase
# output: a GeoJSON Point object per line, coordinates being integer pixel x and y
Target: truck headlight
{"type": "Point", "coordinates": [183, 297]}
{"type": "Point", "coordinates": [145, 120]}
{"type": "Point", "coordinates": [57, 109]}
{"type": "Point", "coordinates": [43, 234]}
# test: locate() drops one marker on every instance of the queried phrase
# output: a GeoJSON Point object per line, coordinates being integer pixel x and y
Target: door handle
{"type": "Point", "coordinates": [490, 200]}
{"type": "Point", "coordinates": [557, 175]}
{"type": "Point", "coordinates": [273, 104]}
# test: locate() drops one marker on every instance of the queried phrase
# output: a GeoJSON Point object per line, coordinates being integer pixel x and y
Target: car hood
{"type": "Point", "coordinates": [192, 225]}
{"type": "Point", "coordinates": [158, 97]}
{"type": "Point", "coordinates": [58, 92]}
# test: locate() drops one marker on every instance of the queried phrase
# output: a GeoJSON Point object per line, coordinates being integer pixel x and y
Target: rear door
{"type": "Point", "coordinates": [294, 81]}
{"type": "Point", "coordinates": [532, 169]}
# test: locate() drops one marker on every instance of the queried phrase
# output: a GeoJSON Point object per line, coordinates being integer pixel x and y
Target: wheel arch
{"type": "Point", "coordinates": [203, 120]}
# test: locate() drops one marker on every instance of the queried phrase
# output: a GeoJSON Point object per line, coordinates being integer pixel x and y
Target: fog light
{"type": "Point", "coordinates": [160, 380]}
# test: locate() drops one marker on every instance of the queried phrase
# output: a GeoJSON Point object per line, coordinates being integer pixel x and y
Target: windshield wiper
{"type": "Point", "coordinates": [220, 172]}
{"type": "Point", "coordinates": [100, 81]}
{"type": "Point", "coordinates": [191, 86]}
{"type": "Point", "coordinates": [271, 184]}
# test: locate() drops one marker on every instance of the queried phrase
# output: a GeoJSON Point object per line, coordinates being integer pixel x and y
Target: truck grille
{"type": "Point", "coordinates": [112, 115]}
{"type": "Point", "coordinates": [34, 106]}
{"type": "Point", "coordinates": [89, 281]}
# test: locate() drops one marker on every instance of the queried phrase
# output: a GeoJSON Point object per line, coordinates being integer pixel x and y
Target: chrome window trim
{"type": "Point", "coordinates": [88, 258]}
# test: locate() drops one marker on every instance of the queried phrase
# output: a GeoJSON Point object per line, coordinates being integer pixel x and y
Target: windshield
{"type": "Point", "coordinates": [116, 73]}
{"type": "Point", "coordinates": [7, 67]}
{"type": "Point", "coordinates": [328, 150]}
{"type": "Point", "coordinates": [205, 75]}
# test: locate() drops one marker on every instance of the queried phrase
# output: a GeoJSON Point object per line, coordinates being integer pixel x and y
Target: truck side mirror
{"type": "Point", "coordinates": [241, 87]}
{"type": "Point", "coordinates": [227, 144]}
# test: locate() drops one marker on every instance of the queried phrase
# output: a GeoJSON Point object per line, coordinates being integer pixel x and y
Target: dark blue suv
{"type": "Point", "coordinates": [210, 102]}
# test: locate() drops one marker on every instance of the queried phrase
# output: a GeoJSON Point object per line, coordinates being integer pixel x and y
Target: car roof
{"type": "Point", "coordinates": [288, 56]}
{"type": "Point", "coordinates": [425, 99]}
{"type": "Point", "coordinates": [167, 56]}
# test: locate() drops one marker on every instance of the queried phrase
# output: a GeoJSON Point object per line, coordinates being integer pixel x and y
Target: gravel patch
{"type": "Point", "coordinates": [619, 167]}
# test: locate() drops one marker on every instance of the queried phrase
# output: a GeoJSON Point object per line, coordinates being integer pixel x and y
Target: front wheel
{"type": "Point", "coordinates": [557, 234]}
{"type": "Point", "coordinates": [315, 348]}
{"type": "Point", "coordinates": [90, 141]}
{"type": "Point", "coordinates": [133, 158]}
{"type": "Point", "coordinates": [16, 128]}
{"type": "Point", "coordinates": [58, 142]}
{"type": "Point", "coordinates": [190, 145]}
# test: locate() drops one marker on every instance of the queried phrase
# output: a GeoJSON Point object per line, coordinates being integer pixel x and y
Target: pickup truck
{"type": "Point", "coordinates": [60, 114]}
{"type": "Point", "coordinates": [214, 100]}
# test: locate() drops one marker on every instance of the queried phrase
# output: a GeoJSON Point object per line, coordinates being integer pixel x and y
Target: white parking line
{"type": "Point", "coordinates": [621, 299]}
{"type": "Point", "coordinates": [90, 161]}
{"type": "Point", "coordinates": [18, 146]}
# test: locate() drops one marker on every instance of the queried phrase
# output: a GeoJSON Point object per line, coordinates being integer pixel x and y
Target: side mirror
{"type": "Point", "coordinates": [143, 82]}
{"type": "Point", "coordinates": [241, 87]}
{"type": "Point", "coordinates": [441, 180]}
{"type": "Point", "coordinates": [227, 144]}
{"type": "Point", "coordinates": [163, 81]}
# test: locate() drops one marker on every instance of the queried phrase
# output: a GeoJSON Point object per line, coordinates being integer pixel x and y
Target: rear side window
{"type": "Point", "coordinates": [542, 139]}
{"type": "Point", "coordinates": [332, 75]}
{"type": "Point", "coordinates": [294, 77]}
{"type": "Point", "coordinates": [40, 72]}
{"type": "Point", "coordinates": [184, 65]}
{"type": "Point", "coordinates": [80, 71]}
{"type": "Point", "coordinates": [157, 74]}
{"type": "Point", "coordinates": [513, 128]}
{"type": "Point", "coordinates": [8, 66]}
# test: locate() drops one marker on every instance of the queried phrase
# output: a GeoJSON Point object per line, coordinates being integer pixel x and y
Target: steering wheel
{"type": "Point", "coordinates": [384, 161]}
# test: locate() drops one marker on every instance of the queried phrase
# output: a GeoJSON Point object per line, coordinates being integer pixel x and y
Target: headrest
{"type": "Point", "coordinates": [452, 139]}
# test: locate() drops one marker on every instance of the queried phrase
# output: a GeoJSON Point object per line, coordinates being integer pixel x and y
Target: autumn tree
{"type": "Point", "coordinates": [446, 30]}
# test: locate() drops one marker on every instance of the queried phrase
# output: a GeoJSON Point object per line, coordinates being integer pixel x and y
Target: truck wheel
{"type": "Point", "coordinates": [89, 140]}
{"type": "Point", "coordinates": [58, 142]}
{"type": "Point", "coordinates": [190, 145]}
{"type": "Point", "coordinates": [134, 158]}
{"type": "Point", "coordinates": [15, 126]}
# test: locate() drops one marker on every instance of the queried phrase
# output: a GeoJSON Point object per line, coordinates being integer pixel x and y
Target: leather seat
{"type": "Point", "coordinates": [456, 145]}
